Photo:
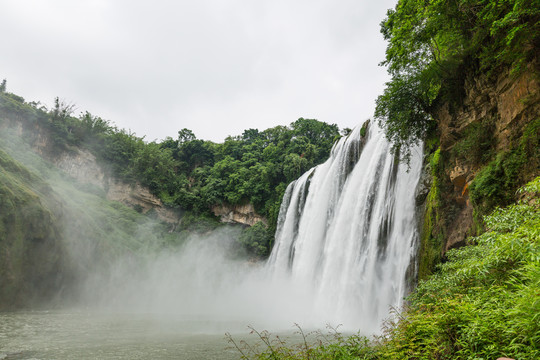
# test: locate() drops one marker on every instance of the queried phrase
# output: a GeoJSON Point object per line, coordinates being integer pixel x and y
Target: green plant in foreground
{"type": "Point", "coordinates": [312, 345]}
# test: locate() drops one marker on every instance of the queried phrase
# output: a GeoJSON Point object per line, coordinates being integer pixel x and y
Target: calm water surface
{"type": "Point", "coordinates": [40, 335]}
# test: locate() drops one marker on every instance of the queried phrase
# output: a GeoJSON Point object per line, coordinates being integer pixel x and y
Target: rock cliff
{"type": "Point", "coordinates": [141, 199]}
{"type": "Point", "coordinates": [82, 166]}
{"type": "Point", "coordinates": [488, 146]}
{"type": "Point", "coordinates": [31, 250]}
{"type": "Point", "coordinates": [238, 214]}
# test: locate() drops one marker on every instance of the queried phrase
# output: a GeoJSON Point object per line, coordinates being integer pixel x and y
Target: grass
{"type": "Point", "coordinates": [331, 344]}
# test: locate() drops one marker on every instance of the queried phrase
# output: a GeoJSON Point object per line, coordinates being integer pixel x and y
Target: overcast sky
{"type": "Point", "coordinates": [216, 67]}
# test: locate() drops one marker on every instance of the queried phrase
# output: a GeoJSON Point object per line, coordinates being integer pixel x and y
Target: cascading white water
{"type": "Point", "coordinates": [347, 232]}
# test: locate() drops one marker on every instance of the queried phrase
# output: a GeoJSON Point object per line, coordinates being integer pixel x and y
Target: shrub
{"type": "Point", "coordinates": [257, 239]}
{"type": "Point", "coordinates": [483, 302]}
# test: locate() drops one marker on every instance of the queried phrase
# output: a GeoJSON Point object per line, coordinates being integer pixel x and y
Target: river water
{"type": "Point", "coordinates": [40, 335]}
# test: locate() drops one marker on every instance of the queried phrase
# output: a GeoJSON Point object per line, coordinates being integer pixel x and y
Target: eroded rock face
{"type": "Point", "coordinates": [509, 103]}
{"type": "Point", "coordinates": [83, 167]}
{"type": "Point", "coordinates": [238, 214]}
{"type": "Point", "coordinates": [461, 177]}
{"type": "Point", "coordinates": [140, 198]}
{"type": "Point", "coordinates": [424, 184]}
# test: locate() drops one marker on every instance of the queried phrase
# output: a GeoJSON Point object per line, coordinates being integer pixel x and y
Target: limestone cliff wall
{"type": "Point", "coordinates": [140, 197]}
{"type": "Point", "coordinates": [83, 167]}
{"type": "Point", "coordinates": [238, 214]}
{"type": "Point", "coordinates": [509, 101]}
{"type": "Point", "coordinates": [487, 124]}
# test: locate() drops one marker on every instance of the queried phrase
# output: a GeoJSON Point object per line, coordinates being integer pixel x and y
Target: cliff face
{"type": "Point", "coordinates": [83, 167]}
{"type": "Point", "coordinates": [508, 102]}
{"type": "Point", "coordinates": [57, 228]}
{"type": "Point", "coordinates": [31, 250]}
{"type": "Point", "coordinates": [489, 143]}
{"type": "Point", "coordinates": [238, 214]}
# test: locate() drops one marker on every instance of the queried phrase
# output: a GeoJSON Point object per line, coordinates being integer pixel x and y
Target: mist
{"type": "Point", "coordinates": [204, 283]}
{"type": "Point", "coordinates": [118, 262]}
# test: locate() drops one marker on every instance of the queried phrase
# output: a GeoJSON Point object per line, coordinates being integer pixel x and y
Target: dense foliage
{"type": "Point", "coordinates": [254, 167]}
{"type": "Point", "coordinates": [433, 44]}
{"type": "Point", "coordinates": [185, 172]}
{"type": "Point", "coordinates": [483, 303]}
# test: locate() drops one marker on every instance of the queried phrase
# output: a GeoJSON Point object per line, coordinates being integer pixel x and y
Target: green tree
{"type": "Point", "coordinates": [120, 149]}
{"type": "Point", "coordinates": [317, 133]}
{"type": "Point", "coordinates": [185, 135]}
{"type": "Point", "coordinates": [294, 166]}
{"type": "Point", "coordinates": [433, 43]}
{"type": "Point", "coordinates": [195, 153]}
{"type": "Point", "coordinates": [62, 109]}
{"type": "Point", "coordinates": [155, 168]}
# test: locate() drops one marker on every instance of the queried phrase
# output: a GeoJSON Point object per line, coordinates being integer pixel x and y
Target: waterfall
{"type": "Point", "coordinates": [347, 232]}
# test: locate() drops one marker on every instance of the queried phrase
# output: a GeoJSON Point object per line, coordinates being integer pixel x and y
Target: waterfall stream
{"type": "Point", "coordinates": [347, 232]}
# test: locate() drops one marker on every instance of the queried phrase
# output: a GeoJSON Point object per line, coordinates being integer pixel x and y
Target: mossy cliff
{"type": "Point", "coordinates": [31, 253]}
{"type": "Point", "coordinates": [55, 232]}
{"type": "Point", "coordinates": [486, 146]}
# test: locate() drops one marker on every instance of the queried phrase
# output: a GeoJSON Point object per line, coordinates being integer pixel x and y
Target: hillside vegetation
{"type": "Point", "coordinates": [186, 173]}
{"type": "Point", "coordinates": [30, 246]}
